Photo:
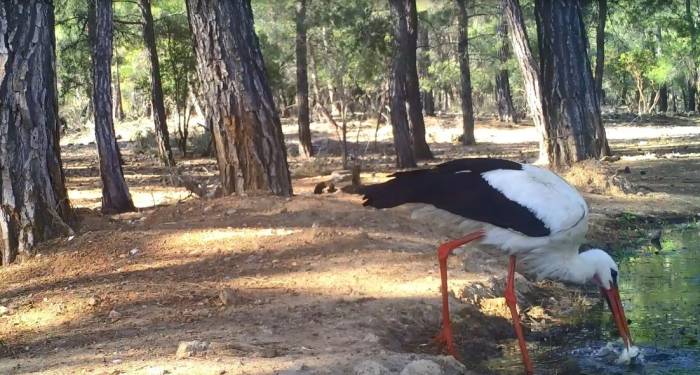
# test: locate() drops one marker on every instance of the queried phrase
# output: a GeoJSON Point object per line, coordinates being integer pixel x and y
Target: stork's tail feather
{"type": "Point", "coordinates": [403, 188]}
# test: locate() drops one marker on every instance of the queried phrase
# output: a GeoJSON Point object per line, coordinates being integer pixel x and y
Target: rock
{"type": "Point", "coordinates": [114, 315]}
{"type": "Point", "coordinates": [4, 310]}
{"type": "Point", "coordinates": [452, 366]}
{"type": "Point", "coordinates": [229, 296]}
{"type": "Point", "coordinates": [370, 368]}
{"type": "Point", "coordinates": [371, 337]}
{"type": "Point", "coordinates": [186, 349]}
{"type": "Point", "coordinates": [422, 367]}
{"type": "Point", "coordinates": [93, 301]}
{"type": "Point", "coordinates": [231, 212]}
{"type": "Point", "coordinates": [134, 251]}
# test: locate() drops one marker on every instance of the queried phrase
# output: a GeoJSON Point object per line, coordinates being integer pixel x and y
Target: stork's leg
{"type": "Point", "coordinates": [512, 303]}
{"type": "Point", "coordinates": [445, 336]}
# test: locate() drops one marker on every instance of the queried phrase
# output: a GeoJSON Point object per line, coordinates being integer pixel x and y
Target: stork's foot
{"type": "Point", "coordinates": [445, 341]}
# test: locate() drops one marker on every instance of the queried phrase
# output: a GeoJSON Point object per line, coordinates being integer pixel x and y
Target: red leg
{"type": "Point", "coordinates": [511, 301]}
{"type": "Point", "coordinates": [445, 336]}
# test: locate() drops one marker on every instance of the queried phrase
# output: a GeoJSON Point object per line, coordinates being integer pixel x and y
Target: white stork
{"type": "Point", "coordinates": [529, 213]}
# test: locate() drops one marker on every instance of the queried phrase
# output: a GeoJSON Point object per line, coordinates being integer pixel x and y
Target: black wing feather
{"type": "Point", "coordinates": [466, 194]}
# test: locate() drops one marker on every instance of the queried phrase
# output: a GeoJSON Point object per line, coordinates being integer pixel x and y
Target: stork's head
{"type": "Point", "coordinates": [605, 273]}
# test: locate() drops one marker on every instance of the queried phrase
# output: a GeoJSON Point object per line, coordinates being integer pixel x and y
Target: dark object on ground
{"type": "Point", "coordinates": [319, 188]}
{"type": "Point", "coordinates": [655, 239]}
{"type": "Point", "coordinates": [331, 188]}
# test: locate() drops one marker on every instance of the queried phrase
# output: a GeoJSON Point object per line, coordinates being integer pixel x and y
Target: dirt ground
{"type": "Point", "coordinates": [314, 284]}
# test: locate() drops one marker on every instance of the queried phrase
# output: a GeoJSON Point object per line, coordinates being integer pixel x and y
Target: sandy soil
{"type": "Point", "coordinates": [315, 284]}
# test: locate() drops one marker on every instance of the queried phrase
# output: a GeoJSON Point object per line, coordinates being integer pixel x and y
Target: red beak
{"type": "Point", "coordinates": [613, 297]}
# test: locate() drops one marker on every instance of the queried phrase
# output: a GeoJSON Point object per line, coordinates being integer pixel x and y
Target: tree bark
{"type": "Point", "coordinates": [115, 194]}
{"type": "Point", "coordinates": [424, 68]}
{"type": "Point", "coordinates": [118, 107]}
{"type": "Point", "coordinates": [529, 69]}
{"type": "Point", "coordinates": [464, 74]}
{"type": "Point", "coordinates": [504, 100]}
{"type": "Point", "coordinates": [570, 100]}
{"type": "Point", "coordinates": [415, 108]}
{"type": "Point", "coordinates": [34, 204]}
{"type": "Point", "coordinates": [600, 48]}
{"type": "Point", "coordinates": [405, 157]}
{"type": "Point", "coordinates": [160, 121]}
{"type": "Point", "coordinates": [303, 82]}
{"type": "Point", "coordinates": [690, 104]}
{"type": "Point", "coordinates": [663, 98]}
{"type": "Point", "coordinates": [663, 89]}
{"type": "Point", "coordinates": [239, 104]}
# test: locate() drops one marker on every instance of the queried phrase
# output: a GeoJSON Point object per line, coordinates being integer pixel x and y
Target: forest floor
{"type": "Point", "coordinates": [314, 284]}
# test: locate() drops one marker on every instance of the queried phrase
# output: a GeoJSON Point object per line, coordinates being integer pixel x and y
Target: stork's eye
{"type": "Point", "coordinates": [613, 275]}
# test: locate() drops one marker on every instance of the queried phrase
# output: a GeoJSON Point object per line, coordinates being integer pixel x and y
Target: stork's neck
{"type": "Point", "coordinates": [560, 265]}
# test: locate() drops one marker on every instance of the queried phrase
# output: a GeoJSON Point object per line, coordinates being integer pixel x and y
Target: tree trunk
{"type": "Point", "coordinates": [424, 68]}
{"type": "Point", "coordinates": [239, 105]}
{"type": "Point", "coordinates": [663, 98]}
{"type": "Point", "coordinates": [570, 100]}
{"type": "Point", "coordinates": [303, 82]}
{"type": "Point", "coordinates": [118, 107]}
{"type": "Point", "coordinates": [529, 69]}
{"type": "Point", "coordinates": [415, 108]}
{"type": "Point", "coordinates": [691, 91]}
{"type": "Point", "coordinates": [115, 194]}
{"type": "Point", "coordinates": [600, 48]}
{"type": "Point", "coordinates": [34, 204]}
{"type": "Point", "coordinates": [690, 105]}
{"type": "Point", "coordinates": [663, 90]}
{"type": "Point", "coordinates": [464, 74]}
{"type": "Point", "coordinates": [399, 120]}
{"type": "Point", "coordinates": [159, 116]}
{"type": "Point", "coordinates": [504, 100]}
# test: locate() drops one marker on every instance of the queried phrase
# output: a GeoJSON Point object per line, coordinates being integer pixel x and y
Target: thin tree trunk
{"type": "Point", "coordinates": [504, 100]}
{"type": "Point", "coordinates": [600, 48]}
{"type": "Point", "coordinates": [464, 74]}
{"type": "Point", "coordinates": [159, 116]}
{"type": "Point", "coordinates": [415, 108]}
{"type": "Point", "coordinates": [118, 107]}
{"type": "Point", "coordinates": [690, 105]}
{"type": "Point", "coordinates": [663, 90]}
{"type": "Point", "coordinates": [570, 100]}
{"type": "Point", "coordinates": [303, 82]}
{"type": "Point", "coordinates": [424, 68]}
{"type": "Point", "coordinates": [663, 99]}
{"type": "Point", "coordinates": [240, 108]}
{"type": "Point", "coordinates": [115, 193]}
{"type": "Point", "coordinates": [529, 69]}
{"type": "Point", "coordinates": [405, 157]}
{"type": "Point", "coordinates": [34, 204]}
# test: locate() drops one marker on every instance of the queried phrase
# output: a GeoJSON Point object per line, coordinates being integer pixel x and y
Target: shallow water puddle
{"type": "Point", "coordinates": [661, 294]}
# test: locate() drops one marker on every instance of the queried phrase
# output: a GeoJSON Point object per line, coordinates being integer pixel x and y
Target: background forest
{"type": "Point", "coordinates": [183, 172]}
